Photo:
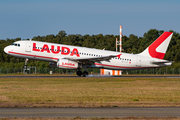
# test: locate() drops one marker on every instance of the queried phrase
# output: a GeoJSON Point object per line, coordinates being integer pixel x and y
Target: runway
{"type": "Point", "coordinates": [88, 112]}
{"type": "Point", "coordinates": [93, 76]}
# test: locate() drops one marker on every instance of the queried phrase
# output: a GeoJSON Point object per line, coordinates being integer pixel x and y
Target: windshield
{"type": "Point", "coordinates": [16, 44]}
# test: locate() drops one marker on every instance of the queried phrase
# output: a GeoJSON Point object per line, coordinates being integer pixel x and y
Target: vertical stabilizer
{"type": "Point", "coordinates": [159, 47]}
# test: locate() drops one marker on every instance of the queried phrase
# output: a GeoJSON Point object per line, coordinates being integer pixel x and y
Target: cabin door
{"type": "Point", "coordinates": [28, 46]}
{"type": "Point", "coordinates": [138, 63]}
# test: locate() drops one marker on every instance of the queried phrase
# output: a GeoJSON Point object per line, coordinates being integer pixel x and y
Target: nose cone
{"type": "Point", "coordinates": [6, 49]}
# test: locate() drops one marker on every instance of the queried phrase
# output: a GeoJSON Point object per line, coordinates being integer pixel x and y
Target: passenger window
{"type": "Point", "coordinates": [18, 45]}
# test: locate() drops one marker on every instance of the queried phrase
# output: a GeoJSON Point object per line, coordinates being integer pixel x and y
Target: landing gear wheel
{"type": "Point", "coordinates": [79, 73]}
{"type": "Point", "coordinates": [85, 73]}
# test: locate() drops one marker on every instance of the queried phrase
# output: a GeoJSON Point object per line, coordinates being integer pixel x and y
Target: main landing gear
{"type": "Point", "coordinates": [79, 73]}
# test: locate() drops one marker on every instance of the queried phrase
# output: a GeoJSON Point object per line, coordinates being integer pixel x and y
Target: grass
{"type": "Point", "coordinates": [89, 92]}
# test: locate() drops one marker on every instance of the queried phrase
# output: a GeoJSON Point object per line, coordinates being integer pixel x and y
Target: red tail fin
{"type": "Point", "coordinates": [158, 48]}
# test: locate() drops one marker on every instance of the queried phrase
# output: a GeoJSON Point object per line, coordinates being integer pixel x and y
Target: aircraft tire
{"type": "Point", "coordinates": [85, 73]}
{"type": "Point", "coordinates": [79, 73]}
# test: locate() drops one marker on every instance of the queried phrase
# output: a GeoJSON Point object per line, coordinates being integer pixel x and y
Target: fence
{"type": "Point", "coordinates": [42, 70]}
{"type": "Point", "coordinates": [154, 71]}
{"type": "Point", "coordinates": [36, 70]}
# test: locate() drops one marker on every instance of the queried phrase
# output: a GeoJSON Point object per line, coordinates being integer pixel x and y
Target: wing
{"type": "Point", "coordinates": [91, 60]}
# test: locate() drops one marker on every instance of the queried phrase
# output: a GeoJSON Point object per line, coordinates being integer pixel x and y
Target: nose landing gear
{"type": "Point", "coordinates": [25, 67]}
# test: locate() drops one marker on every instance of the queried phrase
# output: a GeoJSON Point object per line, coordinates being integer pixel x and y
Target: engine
{"type": "Point", "coordinates": [66, 64]}
{"type": "Point", "coordinates": [53, 64]}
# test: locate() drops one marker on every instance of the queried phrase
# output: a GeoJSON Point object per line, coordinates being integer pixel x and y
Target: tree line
{"type": "Point", "coordinates": [130, 44]}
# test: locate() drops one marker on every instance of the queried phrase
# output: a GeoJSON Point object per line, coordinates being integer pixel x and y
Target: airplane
{"type": "Point", "coordinates": [74, 57]}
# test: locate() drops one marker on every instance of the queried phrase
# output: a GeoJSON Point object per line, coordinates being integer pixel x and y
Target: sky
{"type": "Point", "coordinates": [30, 18]}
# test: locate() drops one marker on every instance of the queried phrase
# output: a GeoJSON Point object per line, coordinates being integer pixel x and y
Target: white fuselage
{"type": "Point", "coordinates": [52, 52]}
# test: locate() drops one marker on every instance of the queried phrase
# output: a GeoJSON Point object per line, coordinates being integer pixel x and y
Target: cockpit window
{"type": "Point", "coordinates": [16, 44]}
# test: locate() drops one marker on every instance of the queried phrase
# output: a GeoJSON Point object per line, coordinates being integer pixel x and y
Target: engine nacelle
{"type": "Point", "coordinates": [66, 64]}
{"type": "Point", "coordinates": [53, 64]}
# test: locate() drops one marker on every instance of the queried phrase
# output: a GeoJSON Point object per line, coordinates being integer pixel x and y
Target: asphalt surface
{"type": "Point", "coordinates": [94, 76]}
{"type": "Point", "coordinates": [88, 112]}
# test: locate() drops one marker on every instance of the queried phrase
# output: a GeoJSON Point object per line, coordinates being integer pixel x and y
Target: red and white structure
{"type": "Point", "coordinates": [114, 72]}
{"type": "Point", "coordinates": [110, 72]}
{"type": "Point", "coordinates": [120, 39]}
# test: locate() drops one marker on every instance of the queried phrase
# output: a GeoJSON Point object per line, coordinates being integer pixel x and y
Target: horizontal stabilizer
{"type": "Point", "coordinates": [161, 62]}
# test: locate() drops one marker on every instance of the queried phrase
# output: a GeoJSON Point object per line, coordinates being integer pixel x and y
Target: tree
{"type": "Point", "coordinates": [60, 36]}
{"type": "Point", "coordinates": [149, 37]}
